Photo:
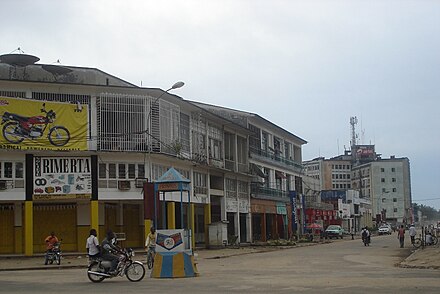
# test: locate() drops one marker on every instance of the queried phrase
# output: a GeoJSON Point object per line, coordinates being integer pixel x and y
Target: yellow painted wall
{"type": "Point", "coordinates": [83, 232]}
{"type": "Point", "coordinates": [132, 229]}
{"type": "Point", "coordinates": [18, 240]}
{"type": "Point", "coordinates": [59, 218]}
{"type": "Point", "coordinates": [7, 234]}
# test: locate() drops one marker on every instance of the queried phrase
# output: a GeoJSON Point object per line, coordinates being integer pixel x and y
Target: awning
{"type": "Point", "coordinates": [256, 170]}
{"type": "Point", "coordinates": [280, 174]}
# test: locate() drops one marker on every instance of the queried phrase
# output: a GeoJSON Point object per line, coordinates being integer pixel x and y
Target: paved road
{"type": "Point", "coordinates": [340, 267]}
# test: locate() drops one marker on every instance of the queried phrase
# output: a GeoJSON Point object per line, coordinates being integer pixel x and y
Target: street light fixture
{"type": "Point", "coordinates": [176, 85]}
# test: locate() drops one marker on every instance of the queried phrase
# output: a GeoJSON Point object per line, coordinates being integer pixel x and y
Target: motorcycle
{"type": "Point", "coordinates": [99, 269]}
{"type": "Point", "coordinates": [17, 128]}
{"type": "Point", "coordinates": [53, 255]}
{"type": "Point", "coordinates": [366, 240]}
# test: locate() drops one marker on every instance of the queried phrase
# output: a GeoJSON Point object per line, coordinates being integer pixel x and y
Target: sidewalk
{"type": "Point", "coordinates": [421, 258]}
{"type": "Point", "coordinates": [80, 260]}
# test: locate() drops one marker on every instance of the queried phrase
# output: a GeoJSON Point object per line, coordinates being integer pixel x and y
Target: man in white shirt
{"type": "Point", "coordinates": [412, 233]}
{"type": "Point", "coordinates": [92, 245]}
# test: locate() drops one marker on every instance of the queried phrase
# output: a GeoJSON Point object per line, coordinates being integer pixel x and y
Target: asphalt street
{"type": "Point", "coordinates": [339, 267]}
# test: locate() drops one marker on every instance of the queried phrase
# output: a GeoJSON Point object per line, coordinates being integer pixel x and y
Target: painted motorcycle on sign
{"type": "Point", "coordinates": [16, 128]}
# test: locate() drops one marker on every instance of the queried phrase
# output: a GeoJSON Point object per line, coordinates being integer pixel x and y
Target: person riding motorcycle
{"type": "Point", "coordinates": [110, 251]}
{"type": "Point", "coordinates": [50, 240]}
{"type": "Point", "coordinates": [365, 235]}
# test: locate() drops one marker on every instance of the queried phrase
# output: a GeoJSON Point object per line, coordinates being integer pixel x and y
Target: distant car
{"type": "Point", "coordinates": [384, 229]}
{"type": "Point", "coordinates": [334, 231]}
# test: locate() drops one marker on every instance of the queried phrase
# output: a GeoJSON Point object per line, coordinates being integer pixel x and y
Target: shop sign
{"type": "Point", "coordinates": [62, 178]}
{"type": "Point", "coordinates": [281, 209]}
{"type": "Point", "coordinates": [43, 125]}
{"type": "Point", "coordinates": [243, 206]}
{"type": "Point", "coordinates": [168, 187]}
{"type": "Point", "coordinates": [231, 205]}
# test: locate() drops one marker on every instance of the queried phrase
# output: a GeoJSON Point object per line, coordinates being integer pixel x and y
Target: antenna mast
{"type": "Point", "coordinates": [353, 122]}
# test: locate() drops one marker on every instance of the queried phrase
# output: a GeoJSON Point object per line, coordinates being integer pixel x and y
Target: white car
{"type": "Point", "coordinates": [384, 229]}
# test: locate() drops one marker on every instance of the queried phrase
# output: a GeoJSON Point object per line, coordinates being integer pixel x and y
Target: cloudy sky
{"type": "Point", "coordinates": [308, 66]}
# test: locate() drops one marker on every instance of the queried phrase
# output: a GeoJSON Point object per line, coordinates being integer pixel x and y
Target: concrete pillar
{"type": "Point", "coordinates": [192, 225]}
{"type": "Point", "coordinates": [28, 228]}
{"type": "Point", "coordinates": [207, 222]}
{"type": "Point", "coordinates": [94, 216]}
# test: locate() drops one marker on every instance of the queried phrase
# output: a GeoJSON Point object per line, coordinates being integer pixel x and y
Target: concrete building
{"type": "Point", "coordinates": [333, 173]}
{"type": "Point", "coordinates": [387, 183]}
{"type": "Point", "coordinates": [78, 144]}
{"type": "Point", "coordinates": [275, 158]}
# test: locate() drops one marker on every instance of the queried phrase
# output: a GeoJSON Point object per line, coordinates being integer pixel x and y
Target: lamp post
{"type": "Point", "coordinates": [174, 86]}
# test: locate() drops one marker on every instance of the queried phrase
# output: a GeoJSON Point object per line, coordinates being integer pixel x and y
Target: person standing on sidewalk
{"type": "Point", "coordinates": [401, 236]}
{"type": "Point", "coordinates": [92, 245]}
{"type": "Point", "coordinates": [412, 233]}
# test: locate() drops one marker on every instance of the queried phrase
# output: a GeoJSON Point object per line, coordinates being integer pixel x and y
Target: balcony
{"type": "Point", "coordinates": [261, 192]}
{"type": "Point", "coordinates": [274, 158]}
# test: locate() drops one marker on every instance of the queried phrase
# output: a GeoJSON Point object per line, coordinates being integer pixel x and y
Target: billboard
{"type": "Point", "coordinates": [62, 178]}
{"type": "Point", "coordinates": [364, 153]}
{"type": "Point", "coordinates": [41, 125]}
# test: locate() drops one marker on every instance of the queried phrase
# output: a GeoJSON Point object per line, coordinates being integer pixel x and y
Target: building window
{"type": "Point", "coordinates": [395, 209]}
{"type": "Point", "coordinates": [382, 170]}
{"type": "Point", "coordinates": [112, 171]}
{"type": "Point", "coordinates": [382, 180]}
{"type": "Point", "coordinates": [383, 190]}
{"type": "Point", "coordinates": [393, 169]}
{"type": "Point", "coordinates": [19, 170]}
{"type": "Point", "coordinates": [8, 170]}
{"type": "Point", "coordinates": [393, 179]}
{"type": "Point", "coordinates": [394, 199]}
{"type": "Point", "coordinates": [394, 190]}
{"type": "Point", "coordinates": [102, 171]}
{"type": "Point", "coordinates": [121, 171]}
{"type": "Point", "coordinates": [141, 171]}
{"type": "Point", "coordinates": [131, 171]}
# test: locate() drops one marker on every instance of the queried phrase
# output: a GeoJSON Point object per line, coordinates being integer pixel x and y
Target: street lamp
{"type": "Point", "coordinates": [175, 86]}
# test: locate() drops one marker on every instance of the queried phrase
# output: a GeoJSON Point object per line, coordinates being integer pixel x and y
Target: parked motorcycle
{"type": "Point", "coordinates": [17, 128]}
{"type": "Point", "coordinates": [99, 269]}
{"type": "Point", "coordinates": [53, 255]}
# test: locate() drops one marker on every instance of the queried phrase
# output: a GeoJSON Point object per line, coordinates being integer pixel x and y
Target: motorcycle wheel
{"type": "Point", "coordinates": [9, 133]}
{"type": "Point", "coordinates": [135, 272]}
{"type": "Point", "coordinates": [95, 268]}
{"type": "Point", "coordinates": [58, 259]}
{"type": "Point", "coordinates": [59, 136]}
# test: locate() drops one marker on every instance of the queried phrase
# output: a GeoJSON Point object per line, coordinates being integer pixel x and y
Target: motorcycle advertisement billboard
{"type": "Point", "coordinates": [42, 125]}
{"type": "Point", "coordinates": [62, 178]}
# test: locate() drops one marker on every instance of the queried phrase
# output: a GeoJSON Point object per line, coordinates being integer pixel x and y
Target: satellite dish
{"type": "Point", "coordinates": [56, 69]}
{"type": "Point", "coordinates": [18, 59]}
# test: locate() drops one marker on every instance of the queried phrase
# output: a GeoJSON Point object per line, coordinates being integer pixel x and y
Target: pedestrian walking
{"type": "Point", "coordinates": [412, 233]}
{"type": "Point", "coordinates": [401, 236]}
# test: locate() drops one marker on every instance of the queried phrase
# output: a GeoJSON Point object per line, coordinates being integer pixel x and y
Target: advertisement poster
{"type": "Point", "coordinates": [170, 241]}
{"type": "Point", "coordinates": [62, 178]}
{"type": "Point", "coordinates": [42, 125]}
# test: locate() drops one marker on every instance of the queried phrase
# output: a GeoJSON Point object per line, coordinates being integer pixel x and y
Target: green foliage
{"type": "Point", "coordinates": [428, 211]}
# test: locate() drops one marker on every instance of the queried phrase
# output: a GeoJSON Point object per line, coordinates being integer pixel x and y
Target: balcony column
{"type": "Point", "coordinates": [263, 228]}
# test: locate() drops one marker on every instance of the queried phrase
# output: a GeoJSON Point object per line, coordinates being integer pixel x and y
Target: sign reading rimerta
{"type": "Point", "coordinates": [62, 178]}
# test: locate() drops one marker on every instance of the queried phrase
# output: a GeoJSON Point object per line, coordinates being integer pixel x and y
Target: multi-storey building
{"type": "Point", "coordinates": [387, 183]}
{"type": "Point", "coordinates": [333, 173]}
{"type": "Point", "coordinates": [93, 141]}
{"type": "Point", "coordinates": [275, 160]}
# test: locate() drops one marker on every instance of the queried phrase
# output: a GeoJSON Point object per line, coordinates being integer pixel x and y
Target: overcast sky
{"type": "Point", "coordinates": [304, 65]}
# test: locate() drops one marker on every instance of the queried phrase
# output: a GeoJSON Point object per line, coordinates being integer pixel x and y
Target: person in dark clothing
{"type": "Point", "coordinates": [110, 250]}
